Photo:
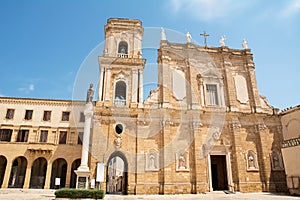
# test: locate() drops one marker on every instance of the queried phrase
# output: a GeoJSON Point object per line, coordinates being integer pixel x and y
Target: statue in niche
{"type": "Point", "coordinates": [276, 161]}
{"type": "Point", "coordinates": [251, 161]}
{"type": "Point", "coordinates": [181, 162]}
{"type": "Point", "coordinates": [90, 94]}
{"type": "Point", "coordinates": [152, 164]}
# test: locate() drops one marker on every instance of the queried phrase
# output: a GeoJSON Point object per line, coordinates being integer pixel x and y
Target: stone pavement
{"type": "Point", "coordinates": [36, 194]}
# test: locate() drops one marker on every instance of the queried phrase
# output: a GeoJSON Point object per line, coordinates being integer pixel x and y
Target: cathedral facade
{"type": "Point", "coordinates": [204, 128]}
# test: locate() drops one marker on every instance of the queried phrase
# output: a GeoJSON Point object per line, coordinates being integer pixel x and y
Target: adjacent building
{"type": "Point", "coordinates": [206, 127]}
{"type": "Point", "coordinates": [290, 119]}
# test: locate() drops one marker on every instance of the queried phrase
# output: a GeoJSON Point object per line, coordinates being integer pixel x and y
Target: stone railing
{"type": "Point", "coordinates": [119, 102]}
{"type": "Point", "coordinates": [122, 55]}
{"type": "Point", "coordinates": [291, 143]}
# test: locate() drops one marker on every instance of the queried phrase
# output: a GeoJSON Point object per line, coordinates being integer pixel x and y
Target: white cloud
{"type": "Point", "coordinates": [31, 87]}
{"type": "Point", "coordinates": [291, 9]}
{"type": "Point", "coordinates": [27, 89]}
{"type": "Point", "coordinates": [207, 10]}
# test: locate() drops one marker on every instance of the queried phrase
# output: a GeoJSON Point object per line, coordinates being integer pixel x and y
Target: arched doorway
{"type": "Point", "coordinates": [17, 173]}
{"type": "Point", "coordinates": [59, 170]}
{"type": "Point", "coordinates": [75, 165]}
{"type": "Point", "coordinates": [38, 173]}
{"type": "Point", "coordinates": [116, 174]}
{"type": "Point", "coordinates": [3, 162]}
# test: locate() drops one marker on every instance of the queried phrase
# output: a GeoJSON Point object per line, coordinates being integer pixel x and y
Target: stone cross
{"type": "Point", "coordinates": [204, 34]}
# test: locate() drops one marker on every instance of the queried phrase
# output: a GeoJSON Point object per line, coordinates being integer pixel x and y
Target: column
{"type": "Point", "coordinates": [255, 94]}
{"type": "Point", "coordinates": [107, 84]}
{"type": "Point", "coordinates": [229, 172]}
{"type": "Point", "coordinates": [100, 86]}
{"type": "Point", "coordinates": [134, 90]}
{"type": "Point", "coordinates": [7, 174]}
{"type": "Point", "coordinates": [68, 176]}
{"type": "Point", "coordinates": [83, 171]}
{"type": "Point", "coordinates": [88, 113]}
{"type": "Point", "coordinates": [209, 173]}
{"type": "Point", "coordinates": [202, 94]}
{"type": "Point", "coordinates": [27, 176]}
{"type": "Point", "coordinates": [141, 88]}
{"type": "Point", "coordinates": [48, 176]}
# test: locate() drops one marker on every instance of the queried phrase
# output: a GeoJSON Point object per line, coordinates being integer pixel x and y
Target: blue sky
{"type": "Point", "coordinates": [43, 43]}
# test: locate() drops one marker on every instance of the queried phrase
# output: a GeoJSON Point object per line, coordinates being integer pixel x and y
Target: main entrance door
{"type": "Point", "coordinates": [116, 176]}
{"type": "Point", "coordinates": [219, 172]}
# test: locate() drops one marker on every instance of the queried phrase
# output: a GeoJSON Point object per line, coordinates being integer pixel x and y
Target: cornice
{"type": "Point", "coordinates": [32, 101]}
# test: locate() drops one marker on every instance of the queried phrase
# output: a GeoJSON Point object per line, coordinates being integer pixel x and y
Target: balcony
{"type": "Point", "coordinates": [120, 102]}
{"type": "Point", "coordinates": [122, 55]}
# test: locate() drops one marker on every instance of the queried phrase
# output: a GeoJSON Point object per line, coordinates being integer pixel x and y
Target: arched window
{"type": "Point", "coordinates": [120, 93]}
{"type": "Point", "coordinates": [123, 49]}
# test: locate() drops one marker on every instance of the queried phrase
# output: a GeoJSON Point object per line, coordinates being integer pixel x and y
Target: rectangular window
{"type": "Point", "coordinates": [62, 137]}
{"type": "Point", "coordinates": [10, 113]}
{"type": "Point", "coordinates": [5, 135]}
{"type": "Point", "coordinates": [80, 138]}
{"type": "Point", "coordinates": [212, 95]}
{"type": "Point", "coordinates": [65, 116]}
{"type": "Point", "coordinates": [23, 136]}
{"type": "Point", "coordinates": [44, 136]}
{"type": "Point", "coordinates": [28, 114]}
{"type": "Point", "coordinates": [47, 115]}
{"type": "Point", "coordinates": [82, 117]}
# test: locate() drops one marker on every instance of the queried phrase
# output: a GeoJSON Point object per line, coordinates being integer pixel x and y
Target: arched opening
{"type": "Point", "coordinates": [17, 173]}
{"type": "Point", "coordinates": [38, 173]}
{"type": "Point", "coordinates": [117, 172]}
{"type": "Point", "coordinates": [123, 50]}
{"type": "Point", "coordinates": [3, 163]}
{"type": "Point", "coordinates": [75, 165]}
{"type": "Point", "coordinates": [120, 93]}
{"type": "Point", "coordinates": [58, 173]}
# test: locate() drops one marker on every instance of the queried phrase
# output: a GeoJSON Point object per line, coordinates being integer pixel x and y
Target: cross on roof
{"type": "Point", "coordinates": [204, 34]}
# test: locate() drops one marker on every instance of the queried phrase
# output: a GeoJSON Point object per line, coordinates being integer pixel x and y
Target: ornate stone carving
{"type": "Point", "coordinates": [118, 141]}
{"type": "Point", "coordinates": [261, 127]}
{"type": "Point", "coordinates": [236, 126]}
{"type": "Point", "coordinates": [216, 135]}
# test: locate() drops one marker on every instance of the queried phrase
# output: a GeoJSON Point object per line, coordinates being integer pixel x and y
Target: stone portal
{"type": "Point", "coordinates": [219, 172]}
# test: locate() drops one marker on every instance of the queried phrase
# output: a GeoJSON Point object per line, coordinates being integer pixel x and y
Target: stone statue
{"type": "Point", "coordinates": [152, 162]}
{"type": "Point", "coordinates": [163, 34]}
{"type": "Point", "coordinates": [188, 37]}
{"type": "Point", "coordinates": [245, 44]}
{"type": "Point", "coordinates": [222, 41]}
{"type": "Point", "coordinates": [251, 162]}
{"type": "Point", "coordinates": [182, 164]}
{"type": "Point", "coordinates": [90, 94]}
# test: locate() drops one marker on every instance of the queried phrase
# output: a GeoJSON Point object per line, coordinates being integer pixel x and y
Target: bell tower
{"type": "Point", "coordinates": [122, 65]}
